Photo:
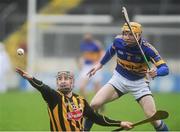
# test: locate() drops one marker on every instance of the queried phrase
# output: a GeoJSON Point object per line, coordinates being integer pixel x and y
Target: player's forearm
{"type": "Point", "coordinates": [41, 87]}
{"type": "Point", "coordinates": [108, 55]}
{"type": "Point", "coordinates": [105, 121]}
{"type": "Point", "coordinates": [162, 70]}
{"type": "Point", "coordinates": [97, 118]}
{"type": "Point", "coordinates": [36, 83]}
{"type": "Point", "coordinates": [48, 94]}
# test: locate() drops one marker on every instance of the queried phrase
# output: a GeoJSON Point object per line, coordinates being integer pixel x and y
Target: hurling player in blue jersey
{"type": "Point", "coordinates": [91, 50]}
{"type": "Point", "coordinates": [130, 73]}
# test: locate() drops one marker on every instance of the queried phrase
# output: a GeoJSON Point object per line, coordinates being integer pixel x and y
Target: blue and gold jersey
{"type": "Point", "coordinates": [130, 62]}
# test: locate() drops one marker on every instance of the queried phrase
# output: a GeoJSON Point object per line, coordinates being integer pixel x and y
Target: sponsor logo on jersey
{"type": "Point", "coordinates": [75, 115]}
{"type": "Point", "coordinates": [120, 52]}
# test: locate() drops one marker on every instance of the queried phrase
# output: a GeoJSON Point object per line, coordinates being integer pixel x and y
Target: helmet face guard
{"type": "Point", "coordinates": [137, 30]}
{"type": "Point", "coordinates": [63, 86]}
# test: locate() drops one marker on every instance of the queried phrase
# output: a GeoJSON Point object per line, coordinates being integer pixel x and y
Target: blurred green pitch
{"type": "Point", "coordinates": [28, 111]}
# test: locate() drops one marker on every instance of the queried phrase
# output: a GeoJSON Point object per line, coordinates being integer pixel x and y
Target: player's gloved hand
{"type": "Point", "coordinates": [126, 125]}
{"type": "Point", "coordinates": [23, 74]}
{"type": "Point", "coordinates": [94, 69]}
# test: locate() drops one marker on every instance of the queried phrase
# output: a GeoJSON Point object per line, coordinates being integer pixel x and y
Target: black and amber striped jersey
{"type": "Point", "coordinates": [67, 114]}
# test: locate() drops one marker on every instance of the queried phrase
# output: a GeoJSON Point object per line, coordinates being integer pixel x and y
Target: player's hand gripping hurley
{"type": "Point", "coordinates": [159, 115]}
{"type": "Point", "coordinates": [126, 18]}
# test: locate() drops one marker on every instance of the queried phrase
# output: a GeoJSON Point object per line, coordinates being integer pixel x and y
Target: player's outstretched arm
{"type": "Point", "coordinates": [39, 85]}
{"type": "Point", "coordinates": [33, 81]}
{"type": "Point", "coordinates": [110, 52]}
{"type": "Point", "coordinates": [103, 120]}
{"type": "Point", "coordinates": [23, 74]}
{"type": "Point", "coordinates": [93, 71]}
{"type": "Point", "coordinates": [48, 94]}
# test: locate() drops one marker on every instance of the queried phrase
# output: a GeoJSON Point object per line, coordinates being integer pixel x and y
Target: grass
{"type": "Point", "coordinates": [27, 111]}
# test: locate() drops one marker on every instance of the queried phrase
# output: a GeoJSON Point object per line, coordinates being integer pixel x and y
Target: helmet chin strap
{"type": "Point", "coordinates": [65, 90]}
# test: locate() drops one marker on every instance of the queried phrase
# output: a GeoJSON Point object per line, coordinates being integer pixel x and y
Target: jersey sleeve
{"type": "Point", "coordinates": [154, 56]}
{"type": "Point", "coordinates": [48, 94]}
{"type": "Point", "coordinates": [110, 52]}
{"type": "Point", "coordinates": [98, 118]}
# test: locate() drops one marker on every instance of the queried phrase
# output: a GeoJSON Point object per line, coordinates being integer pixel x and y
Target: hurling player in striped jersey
{"type": "Point", "coordinates": [66, 109]}
{"type": "Point", "coordinates": [130, 74]}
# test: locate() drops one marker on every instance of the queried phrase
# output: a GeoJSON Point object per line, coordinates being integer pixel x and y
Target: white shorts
{"type": "Point", "coordinates": [137, 88]}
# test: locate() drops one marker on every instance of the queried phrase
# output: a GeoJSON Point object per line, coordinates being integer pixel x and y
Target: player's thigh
{"type": "Point", "coordinates": [148, 105]}
{"type": "Point", "coordinates": [106, 94]}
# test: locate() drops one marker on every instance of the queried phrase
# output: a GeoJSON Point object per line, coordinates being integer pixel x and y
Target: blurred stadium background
{"type": "Point", "coordinates": [50, 32]}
